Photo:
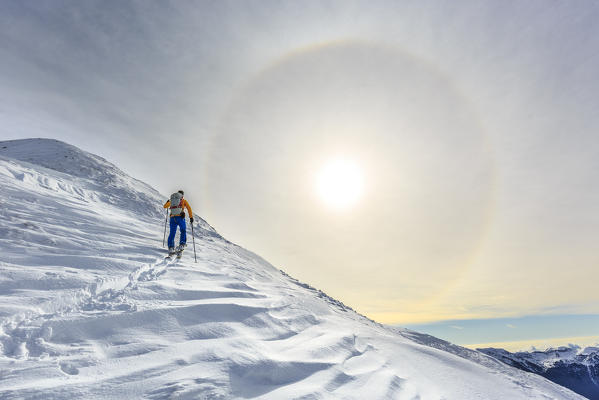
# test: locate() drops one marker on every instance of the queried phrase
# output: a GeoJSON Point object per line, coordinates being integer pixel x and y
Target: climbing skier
{"type": "Point", "coordinates": [177, 204]}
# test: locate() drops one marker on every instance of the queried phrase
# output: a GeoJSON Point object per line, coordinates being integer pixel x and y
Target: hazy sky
{"type": "Point", "coordinates": [517, 333]}
{"type": "Point", "coordinates": [473, 124]}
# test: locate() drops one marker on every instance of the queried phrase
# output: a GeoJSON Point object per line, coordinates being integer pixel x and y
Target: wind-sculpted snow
{"type": "Point", "coordinates": [90, 309]}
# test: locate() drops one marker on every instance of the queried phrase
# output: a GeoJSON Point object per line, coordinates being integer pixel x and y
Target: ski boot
{"type": "Point", "coordinates": [180, 249]}
{"type": "Point", "coordinates": [171, 252]}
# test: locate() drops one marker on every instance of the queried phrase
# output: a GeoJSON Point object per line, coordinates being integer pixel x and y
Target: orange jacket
{"type": "Point", "coordinates": [184, 203]}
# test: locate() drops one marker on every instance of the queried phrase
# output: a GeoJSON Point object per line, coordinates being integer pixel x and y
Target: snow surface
{"type": "Point", "coordinates": [90, 309]}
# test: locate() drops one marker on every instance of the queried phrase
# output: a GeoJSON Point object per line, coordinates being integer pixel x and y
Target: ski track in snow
{"type": "Point", "coordinates": [90, 309]}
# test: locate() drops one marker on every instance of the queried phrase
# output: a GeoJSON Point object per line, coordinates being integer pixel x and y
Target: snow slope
{"type": "Point", "coordinates": [90, 309]}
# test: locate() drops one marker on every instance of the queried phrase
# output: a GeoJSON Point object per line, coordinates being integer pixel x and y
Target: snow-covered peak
{"type": "Point", "coordinates": [552, 355]}
{"type": "Point", "coordinates": [86, 177]}
{"type": "Point", "coordinates": [549, 357]}
{"type": "Point", "coordinates": [62, 157]}
{"type": "Point", "coordinates": [590, 350]}
{"type": "Point", "coordinates": [95, 179]}
{"type": "Point", "coordinates": [571, 366]}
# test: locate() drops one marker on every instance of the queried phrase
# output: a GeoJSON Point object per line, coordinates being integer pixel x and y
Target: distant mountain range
{"type": "Point", "coordinates": [573, 367]}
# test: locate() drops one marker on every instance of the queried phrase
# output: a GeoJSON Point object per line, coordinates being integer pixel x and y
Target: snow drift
{"type": "Point", "coordinates": [90, 309]}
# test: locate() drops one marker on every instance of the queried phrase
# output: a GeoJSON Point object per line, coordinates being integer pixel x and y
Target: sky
{"type": "Point", "coordinates": [470, 128]}
{"type": "Point", "coordinates": [518, 333]}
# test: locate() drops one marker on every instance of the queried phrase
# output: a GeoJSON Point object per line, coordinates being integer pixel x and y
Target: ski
{"type": "Point", "coordinates": [178, 253]}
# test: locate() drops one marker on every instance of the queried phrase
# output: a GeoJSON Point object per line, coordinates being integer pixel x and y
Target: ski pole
{"type": "Point", "coordinates": [166, 219]}
{"type": "Point", "coordinates": [194, 243]}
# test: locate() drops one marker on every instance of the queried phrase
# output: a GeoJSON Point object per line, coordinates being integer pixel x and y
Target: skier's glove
{"type": "Point", "coordinates": [191, 219]}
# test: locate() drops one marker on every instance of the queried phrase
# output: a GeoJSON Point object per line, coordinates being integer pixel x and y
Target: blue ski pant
{"type": "Point", "coordinates": [177, 222]}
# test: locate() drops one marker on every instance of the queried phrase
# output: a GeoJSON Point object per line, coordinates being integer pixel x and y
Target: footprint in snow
{"type": "Point", "coordinates": [68, 368]}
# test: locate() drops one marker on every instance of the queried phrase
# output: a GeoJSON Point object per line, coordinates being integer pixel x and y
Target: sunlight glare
{"type": "Point", "coordinates": [340, 184]}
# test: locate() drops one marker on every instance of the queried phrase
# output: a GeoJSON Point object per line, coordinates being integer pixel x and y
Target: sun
{"type": "Point", "coordinates": [340, 184]}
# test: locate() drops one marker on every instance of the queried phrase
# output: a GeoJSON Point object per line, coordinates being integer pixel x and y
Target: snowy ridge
{"type": "Point", "coordinates": [90, 309]}
{"type": "Point", "coordinates": [84, 176]}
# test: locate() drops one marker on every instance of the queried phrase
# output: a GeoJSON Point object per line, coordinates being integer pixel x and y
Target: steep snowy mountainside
{"type": "Point", "coordinates": [571, 366]}
{"type": "Point", "coordinates": [63, 157]}
{"type": "Point", "coordinates": [90, 309]}
{"type": "Point", "coordinates": [69, 160]}
{"type": "Point", "coordinates": [95, 178]}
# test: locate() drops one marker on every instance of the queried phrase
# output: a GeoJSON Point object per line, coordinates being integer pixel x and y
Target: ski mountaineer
{"type": "Point", "coordinates": [177, 204]}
